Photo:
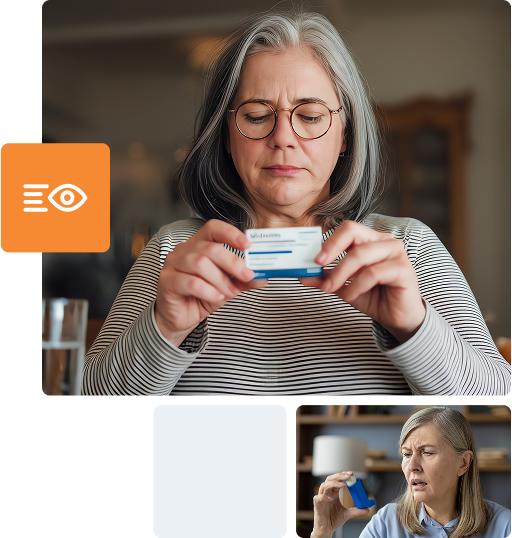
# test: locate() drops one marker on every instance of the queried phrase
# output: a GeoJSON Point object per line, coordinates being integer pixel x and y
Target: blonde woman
{"type": "Point", "coordinates": [443, 495]}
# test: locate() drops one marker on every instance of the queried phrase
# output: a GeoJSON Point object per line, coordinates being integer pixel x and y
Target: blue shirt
{"type": "Point", "coordinates": [384, 524]}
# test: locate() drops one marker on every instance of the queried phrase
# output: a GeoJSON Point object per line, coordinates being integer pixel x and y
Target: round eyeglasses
{"type": "Point", "coordinates": [257, 120]}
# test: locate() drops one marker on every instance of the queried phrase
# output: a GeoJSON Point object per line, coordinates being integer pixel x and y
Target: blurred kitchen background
{"type": "Point", "coordinates": [129, 73]}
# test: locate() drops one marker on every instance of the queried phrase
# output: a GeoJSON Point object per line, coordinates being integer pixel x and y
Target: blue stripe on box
{"type": "Point", "coordinates": [271, 252]}
{"type": "Point", "coordinates": [289, 273]}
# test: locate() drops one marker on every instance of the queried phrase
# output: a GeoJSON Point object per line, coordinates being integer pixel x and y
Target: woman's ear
{"type": "Point", "coordinates": [344, 140]}
{"type": "Point", "coordinates": [343, 144]}
{"type": "Point", "coordinates": [466, 459]}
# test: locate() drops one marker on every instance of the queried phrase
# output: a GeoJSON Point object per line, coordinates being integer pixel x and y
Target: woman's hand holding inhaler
{"type": "Point", "coordinates": [329, 513]}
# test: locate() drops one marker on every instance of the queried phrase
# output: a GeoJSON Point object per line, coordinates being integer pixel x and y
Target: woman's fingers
{"type": "Point", "coordinates": [204, 255]}
{"type": "Point", "coordinates": [227, 261]}
{"type": "Point", "coordinates": [251, 285]}
{"type": "Point", "coordinates": [211, 264]}
{"type": "Point", "coordinates": [330, 486]}
{"type": "Point", "coordinates": [360, 256]}
{"type": "Point", "coordinates": [346, 234]}
{"type": "Point", "coordinates": [333, 483]}
{"type": "Point", "coordinates": [387, 273]}
{"type": "Point", "coordinates": [221, 232]}
{"type": "Point", "coordinates": [343, 475]}
{"type": "Point", "coordinates": [313, 281]}
{"type": "Point", "coordinates": [185, 284]}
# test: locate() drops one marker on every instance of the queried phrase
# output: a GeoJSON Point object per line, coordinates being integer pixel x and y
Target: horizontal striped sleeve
{"type": "Point", "coordinates": [130, 355]}
{"type": "Point", "coordinates": [288, 339]}
{"type": "Point", "coordinates": [452, 352]}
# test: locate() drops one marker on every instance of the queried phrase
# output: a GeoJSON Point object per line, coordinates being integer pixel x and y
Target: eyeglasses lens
{"type": "Point", "coordinates": [309, 120]}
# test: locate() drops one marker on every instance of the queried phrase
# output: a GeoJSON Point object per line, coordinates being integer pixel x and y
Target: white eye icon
{"type": "Point", "coordinates": [67, 197]}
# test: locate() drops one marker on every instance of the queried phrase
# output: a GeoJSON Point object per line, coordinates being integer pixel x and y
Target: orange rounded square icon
{"type": "Point", "coordinates": [55, 197]}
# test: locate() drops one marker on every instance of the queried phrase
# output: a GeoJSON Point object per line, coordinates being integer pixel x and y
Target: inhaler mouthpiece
{"type": "Point", "coordinates": [351, 481]}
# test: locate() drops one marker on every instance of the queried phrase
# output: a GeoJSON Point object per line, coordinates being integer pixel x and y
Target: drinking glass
{"type": "Point", "coordinates": [64, 330]}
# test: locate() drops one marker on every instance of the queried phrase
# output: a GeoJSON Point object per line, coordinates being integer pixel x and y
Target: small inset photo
{"type": "Point", "coordinates": [403, 471]}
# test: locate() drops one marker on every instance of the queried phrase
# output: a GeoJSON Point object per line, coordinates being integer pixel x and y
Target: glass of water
{"type": "Point", "coordinates": [64, 330]}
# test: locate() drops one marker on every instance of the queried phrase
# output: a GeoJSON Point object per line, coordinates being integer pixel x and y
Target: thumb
{"type": "Point", "coordinates": [251, 285]}
{"type": "Point", "coordinates": [355, 512]}
{"type": "Point", "coordinates": [312, 281]}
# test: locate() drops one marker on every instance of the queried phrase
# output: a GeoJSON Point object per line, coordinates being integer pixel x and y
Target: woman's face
{"type": "Point", "coordinates": [283, 80]}
{"type": "Point", "coordinates": [431, 468]}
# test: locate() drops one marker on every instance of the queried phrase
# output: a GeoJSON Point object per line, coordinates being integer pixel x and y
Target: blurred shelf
{"type": "Point", "coordinates": [394, 466]}
{"type": "Point", "coordinates": [388, 466]}
{"type": "Point", "coordinates": [388, 419]}
{"type": "Point", "coordinates": [494, 467]}
{"type": "Point", "coordinates": [358, 419]}
{"type": "Point", "coordinates": [308, 515]}
{"type": "Point", "coordinates": [487, 417]}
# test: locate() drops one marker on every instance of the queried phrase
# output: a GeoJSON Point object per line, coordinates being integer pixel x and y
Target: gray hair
{"type": "Point", "coordinates": [474, 513]}
{"type": "Point", "coordinates": [208, 180]}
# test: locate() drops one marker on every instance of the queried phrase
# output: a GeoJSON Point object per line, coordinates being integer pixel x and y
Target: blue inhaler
{"type": "Point", "coordinates": [358, 493]}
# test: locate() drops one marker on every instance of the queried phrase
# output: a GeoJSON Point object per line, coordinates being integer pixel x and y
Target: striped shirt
{"type": "Point", "coordinates": [291, 339]}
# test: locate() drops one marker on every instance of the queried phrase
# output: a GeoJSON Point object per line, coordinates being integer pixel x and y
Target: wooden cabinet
{"type": "Point", "coordinates": [425, 142]}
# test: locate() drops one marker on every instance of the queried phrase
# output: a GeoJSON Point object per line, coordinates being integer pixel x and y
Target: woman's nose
{"type": "Point", "coordinates": [414, 463]}
{"type": "Point", "coordinates": [283, 135]}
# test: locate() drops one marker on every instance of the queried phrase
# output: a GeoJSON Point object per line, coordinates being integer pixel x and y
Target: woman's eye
{"type": "Point", "coordinates": [311, 119]}
{"type": "Point", "coordinates": [405, 455]}
{"type": "Point", "coordinates": [257, 119]}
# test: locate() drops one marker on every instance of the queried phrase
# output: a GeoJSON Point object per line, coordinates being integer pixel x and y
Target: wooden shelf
{"type": "Point", "coordinates": [390, 466]}
{"type": "Point", "coordinates": [487, 417]}
{"type": "Point", "coordinates": [494, 467]}
{"type": "Point", "coordinates": [358, 419]}
{"type": "Point", "coordinates": [387, 419]}
{"type": "Point", "coordinates": [394, 466]}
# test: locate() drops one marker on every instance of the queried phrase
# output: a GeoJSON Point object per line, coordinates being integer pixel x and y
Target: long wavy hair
{"type": "Point", "coordinates": [207, 179]}
{"type": "Point", "coordinates": [473, 512]}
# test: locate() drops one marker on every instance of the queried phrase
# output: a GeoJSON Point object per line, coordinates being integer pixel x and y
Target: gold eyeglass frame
{"type": "Point", "coordinates": [291, 110]}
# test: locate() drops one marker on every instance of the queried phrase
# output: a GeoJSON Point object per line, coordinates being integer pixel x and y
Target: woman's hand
{"type": "Point", "coordinates": [383, 283]}
{"type": "Point", "coordinates": [329, 513]}
{"type": "Point", "coordinates": [199, 276]}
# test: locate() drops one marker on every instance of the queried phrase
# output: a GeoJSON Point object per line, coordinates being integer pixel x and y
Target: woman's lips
{"type": "Point", "coordinates": [418, 485]}
{"type": "Point", "coordinates": [283, 170]}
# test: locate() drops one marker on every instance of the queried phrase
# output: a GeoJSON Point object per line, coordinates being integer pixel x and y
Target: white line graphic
{"type": "Point", "coordinates": [67, 197]}
{"type": "Point", "coordinates": [35, 194]}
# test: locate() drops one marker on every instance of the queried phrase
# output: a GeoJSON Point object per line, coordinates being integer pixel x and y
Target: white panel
{"type": "Point", "coordinates": [220, 471]}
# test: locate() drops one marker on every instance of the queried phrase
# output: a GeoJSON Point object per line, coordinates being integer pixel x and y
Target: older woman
{"type": "Point", "coordinates": [443, 496]}
{"type": "Point", "coordinates": [287, 138]}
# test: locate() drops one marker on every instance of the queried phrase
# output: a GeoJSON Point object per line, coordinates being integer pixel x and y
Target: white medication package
{"type": "Point", "coordinates": [284, 252]}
